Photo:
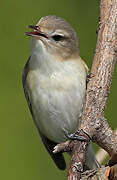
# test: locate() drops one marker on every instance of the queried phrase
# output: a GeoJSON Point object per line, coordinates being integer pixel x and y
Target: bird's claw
{"type": "Point", "coordinates": [76, 136]}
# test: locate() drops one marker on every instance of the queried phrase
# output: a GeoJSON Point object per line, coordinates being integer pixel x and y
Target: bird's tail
{"type": "Point", "coordinates": [91, 162]}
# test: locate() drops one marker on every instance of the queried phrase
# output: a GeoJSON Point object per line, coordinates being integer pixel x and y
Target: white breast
{"type": "Point", "coordinates": [57, 92]}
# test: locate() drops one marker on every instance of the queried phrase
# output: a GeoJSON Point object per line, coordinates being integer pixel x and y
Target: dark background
{"type": "Point", "coordinates": [22, 155]}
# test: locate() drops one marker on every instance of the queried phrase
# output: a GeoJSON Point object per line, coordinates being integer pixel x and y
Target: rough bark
{"type": "Point", "coordinates": [93, 122]}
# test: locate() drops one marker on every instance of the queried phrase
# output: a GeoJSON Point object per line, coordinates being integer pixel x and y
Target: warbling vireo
{"type": "Point", "coordinates": [54, 82]}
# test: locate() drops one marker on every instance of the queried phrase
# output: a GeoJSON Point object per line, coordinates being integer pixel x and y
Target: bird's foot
{"type": "Point", "coordinates": [77, 136]}
{"type": "Point", "coordinates": [67, 146]}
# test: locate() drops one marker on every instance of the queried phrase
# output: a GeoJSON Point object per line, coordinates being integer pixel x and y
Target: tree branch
{"type": "Point", "coordinates": [99, 85]}
{"type": "Point", "coordinates": [93, 122]}
{"type": "Point", "coordinates": [101, 155]}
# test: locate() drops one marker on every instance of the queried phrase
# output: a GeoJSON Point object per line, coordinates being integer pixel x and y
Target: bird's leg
{"type": "Point", "coordinates": [79, 136]}
{"type": "Point", "coordinates": [67, 146]}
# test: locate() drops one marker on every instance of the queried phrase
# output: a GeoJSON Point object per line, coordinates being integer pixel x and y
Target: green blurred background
{"type": "Point", "coordinates": [22, 155]}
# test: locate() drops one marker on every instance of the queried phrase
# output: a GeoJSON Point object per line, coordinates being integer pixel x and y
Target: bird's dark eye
{"type": "Point", "coordinates": [57, 37]}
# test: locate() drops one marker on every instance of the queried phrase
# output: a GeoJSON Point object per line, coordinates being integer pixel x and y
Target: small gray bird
{"type": "Point", "coordinates": [54, 82]}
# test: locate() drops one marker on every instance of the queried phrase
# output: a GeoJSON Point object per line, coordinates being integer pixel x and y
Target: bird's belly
{"type": "Point", "coordinates": [56, 107]}
{"type": "Point", "coordinates": [56, 112]}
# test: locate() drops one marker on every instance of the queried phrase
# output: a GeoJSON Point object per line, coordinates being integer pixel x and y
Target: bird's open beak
{"type": "Point", "coordinates": [36, 32]}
